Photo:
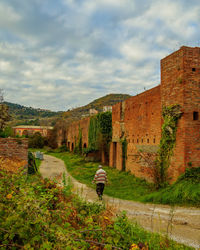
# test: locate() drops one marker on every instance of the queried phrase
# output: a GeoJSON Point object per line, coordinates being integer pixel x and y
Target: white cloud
{"type": "Point", "coordinates": [7, 14]}
{"type": "Point", "coordinates": [66, 53]}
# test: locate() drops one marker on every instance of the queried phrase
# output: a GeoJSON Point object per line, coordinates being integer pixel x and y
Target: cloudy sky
{"type": "Point", "coordinates": [60, 54]}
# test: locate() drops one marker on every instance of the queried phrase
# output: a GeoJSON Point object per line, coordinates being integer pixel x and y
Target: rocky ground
{"type": "Point", "coordinates": [179, 223]}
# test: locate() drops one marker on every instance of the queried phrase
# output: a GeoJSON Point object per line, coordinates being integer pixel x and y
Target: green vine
{"type": "Point", "coordinates": [100, 132]}
{"type": "Point", "coordinates": [78, 147]}
{"type": "Point", "coordinates": [171, 115]}
{"type": "Point", "coordinates": [124, 153]}
{"type": "Point", "coordinates": [93, 133]}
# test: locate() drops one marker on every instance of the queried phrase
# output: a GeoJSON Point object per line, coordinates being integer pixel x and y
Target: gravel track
{"type": "Point", "coordinates": [179, 223]}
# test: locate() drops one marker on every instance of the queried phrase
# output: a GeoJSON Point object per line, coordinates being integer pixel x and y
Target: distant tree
{"type": "Point", "coordinates": [4, 114]}
{"type": "Point", "coordinates": [36, 141]}
{"type": "Point", "coordinates": [52, 138]}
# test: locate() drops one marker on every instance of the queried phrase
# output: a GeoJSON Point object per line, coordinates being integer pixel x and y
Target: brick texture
{"type": "Point", "coordinates": [180, 84]}
{"type": "Point", "coordinates": [139, 120]}
{"type": "Point", "coordinates": [14, 149]}
{"type": "Point", "coordinates": [73, 132]}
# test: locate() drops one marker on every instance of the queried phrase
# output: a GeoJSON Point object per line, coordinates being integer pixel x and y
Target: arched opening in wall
{"type": "Point", "coordinates": [84, 145]}
{"type": "Point", "coordinates": [72, 146]}
{"type": "Point", "coordinates": [68, 144]}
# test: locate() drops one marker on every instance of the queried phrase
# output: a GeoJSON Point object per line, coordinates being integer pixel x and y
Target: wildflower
{"type": "Point", "coordinates": [106, 218]}
{"type": "Point", "coordinates": [9, 196]}
{"type": "Point", "coordinates": [134, 246]}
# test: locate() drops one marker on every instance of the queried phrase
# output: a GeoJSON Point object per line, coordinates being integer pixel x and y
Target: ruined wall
{"type": "Point", "coordinates": [73, 132]}
{"type": "Point", "coordinates": [13, 149]}
{"type": "Point", "coordinates": [180, 84]}
{"type": "Point", "coordinates": [30, 130]}
{"type": "Point", "coordinates": [143, 132]}
{"type": "Point", "coordinates": [138, 119]}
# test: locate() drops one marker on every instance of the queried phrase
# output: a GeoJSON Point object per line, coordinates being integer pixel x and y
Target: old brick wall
{"type": "Point", "coordinates": [138, 119]}
{"type": "Point", "coordinates": [143, 132]}
{"type": "Point", "coordinates": [73, 133]}
{"type": "Point", "coordinates": [180, 78]}
{"type": "Point", "coordinates": [14, 149]}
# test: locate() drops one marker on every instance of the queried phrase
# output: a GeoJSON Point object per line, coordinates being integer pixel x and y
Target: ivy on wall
{"type": "Point", "coordinates": [171, 115]}
{"type": "Point", "coordinates": [78, 147]}
{"type": "Point", "coordinates": [100, 132]}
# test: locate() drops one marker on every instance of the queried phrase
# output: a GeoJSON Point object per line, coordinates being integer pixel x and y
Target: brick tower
{"type": "Point", "coordinates": [180, 84]}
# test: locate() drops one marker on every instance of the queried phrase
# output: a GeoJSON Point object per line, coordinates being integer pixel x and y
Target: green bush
{"type": "Point", "coordinates": [36, 141]}
{"type": "Point", "coordinates": [36, 214]}
{"type": "Point", "coordinates": [32, 167]}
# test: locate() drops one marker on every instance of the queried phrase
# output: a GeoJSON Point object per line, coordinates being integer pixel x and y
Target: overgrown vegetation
{"type": "Point", "coordinates": [78, 147]}
{"type": "Point", "coordinates": [33, 163]}
{"type": "Point", "coordinates": [4, 114]}
{"type": "Point", "coordinates": [100, 132]}
{"type": "Point", "coordinates": [6, 132]}
{"type": "Point", "coordinates": [123, 185]}
{"type": "Point", "coordinates": [171, 115]}
{"type": "Point", "coordinates": [36, 140]}
{"type": "Point", "coordinates": [185, 191]}
{"type": "Point", "coordinates": [37, 214]}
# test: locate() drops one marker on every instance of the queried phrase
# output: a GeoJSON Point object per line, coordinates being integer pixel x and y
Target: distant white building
{"type": "Point", "coordinates": [93, 112]}
{"type": "Point", "coordinates": [107, 108]}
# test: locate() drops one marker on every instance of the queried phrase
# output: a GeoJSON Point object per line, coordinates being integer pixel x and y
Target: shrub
{"type": "Point", "coordinates": [36, 141]}
{"type": "Point", "coordinates": [32, 168]}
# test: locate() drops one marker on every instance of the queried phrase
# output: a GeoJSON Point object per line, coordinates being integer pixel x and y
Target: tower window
{"type": "Point", "coordinates": [193, 69]}
{"type": "Point", "coordinates": [195, 116]}
{"type": "Point", "coordinates": [147, 140]}
{"type": "Point", "coordinates": [154, 140]}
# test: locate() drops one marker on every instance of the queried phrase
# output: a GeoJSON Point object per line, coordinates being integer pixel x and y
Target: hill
{"type": "Point", "coordinates": [31, 116]}
{"type": "Point", "coordinates": [98, 104]}
{"type": "Point", "coordinates": [22, 115]}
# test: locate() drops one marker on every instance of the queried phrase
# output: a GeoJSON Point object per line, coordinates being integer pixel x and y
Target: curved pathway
{"type": "Point", "coordinates": [179, 223]}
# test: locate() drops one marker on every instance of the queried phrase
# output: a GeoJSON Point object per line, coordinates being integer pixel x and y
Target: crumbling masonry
{"type": "Point", "coordinates": [139, 119]}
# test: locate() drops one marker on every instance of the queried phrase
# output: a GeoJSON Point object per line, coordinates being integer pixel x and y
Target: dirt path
{"type": "Point", "coordinates": [181, 224]}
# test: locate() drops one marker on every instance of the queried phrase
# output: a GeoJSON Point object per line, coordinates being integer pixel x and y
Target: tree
{"type": "Point", "coordinates": [36, 141]}
{"type": "Point", "coordinates": [4, 114]}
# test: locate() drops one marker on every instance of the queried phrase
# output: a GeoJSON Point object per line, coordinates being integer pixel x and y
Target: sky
{"type": "Point", "coordinates": [61, 54]}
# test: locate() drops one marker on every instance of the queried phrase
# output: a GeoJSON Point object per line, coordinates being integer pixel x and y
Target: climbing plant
{"type": "Point", "coordinates": [100, 131]}
{"type": "Point", "coordinates": [124, 153]}
{"type": "Point", "coordinates": [171, 115]}
{"type": "Point", "coordinates": [93, 133]}
{"type": "Point", "coordinates": [78, 147]}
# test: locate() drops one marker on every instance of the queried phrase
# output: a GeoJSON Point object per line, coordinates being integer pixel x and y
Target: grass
{"type": "Point", "coordinates": [123, 185]}
{"type": "Point", "coordinates": [37, 214]}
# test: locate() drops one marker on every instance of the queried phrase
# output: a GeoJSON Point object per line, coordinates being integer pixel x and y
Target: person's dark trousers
{"type": "Point", "coordinates": [100, 188]}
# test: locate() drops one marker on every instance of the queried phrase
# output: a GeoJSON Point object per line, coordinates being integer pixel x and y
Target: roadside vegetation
{"type": "Point", "coordinates": [185, 191]}
{"type": "Point", "coordinates": [37, 214]}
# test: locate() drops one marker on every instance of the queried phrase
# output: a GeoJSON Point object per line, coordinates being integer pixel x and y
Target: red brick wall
{"type": "Point", "coordinates": [73, 132]}
{"type": "Point", "coordinates": [14, 148]}
{"type": "Point", "coordinates": [138, 119]}
{"type": "Point", "coordinates": [181, 85]}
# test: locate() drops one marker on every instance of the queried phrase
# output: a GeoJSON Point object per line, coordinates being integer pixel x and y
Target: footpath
{"type": "Point", "coordinates": [179, 223]}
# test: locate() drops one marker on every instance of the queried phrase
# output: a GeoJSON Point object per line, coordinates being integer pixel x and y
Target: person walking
{"type": "Point", "coordinates": [100, 179]}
